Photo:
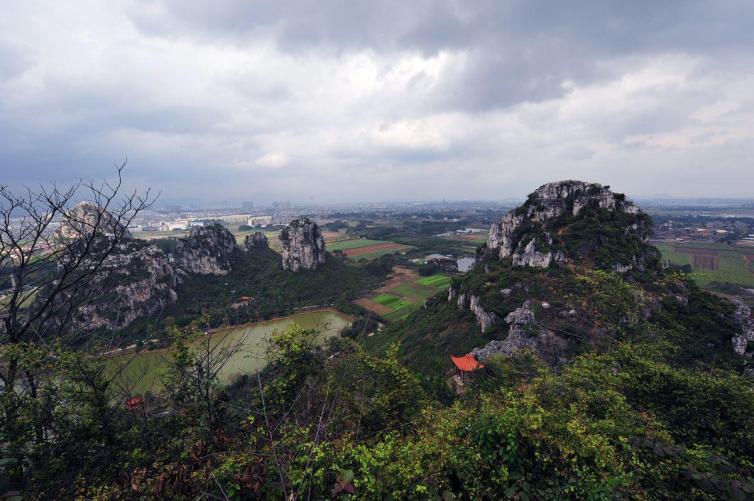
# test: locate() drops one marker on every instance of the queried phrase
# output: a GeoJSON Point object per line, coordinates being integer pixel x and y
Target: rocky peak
{"type": "Point", "coordinates": [303, 245]}
{"type": "Point", "coordinates": [256, 240]}
{"type": "Point", "coordinates": [206, 251]}
{"type": "Point", "coordinates": [136, 280]}
{"type": "Point", "coordinates": [85, 217]}
{"type": "Point", "coordinates": [540, 231]}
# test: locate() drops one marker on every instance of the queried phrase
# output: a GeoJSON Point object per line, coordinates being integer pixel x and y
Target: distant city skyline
{"type": "Point", "coordinates": [328, 102]}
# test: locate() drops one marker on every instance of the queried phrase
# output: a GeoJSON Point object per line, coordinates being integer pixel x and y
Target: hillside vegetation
{"type": "Point", "coordinates": [602, 376]}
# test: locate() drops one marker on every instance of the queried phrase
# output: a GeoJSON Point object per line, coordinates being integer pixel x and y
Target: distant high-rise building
{"type": "Point", "coordinates": [247, 205]}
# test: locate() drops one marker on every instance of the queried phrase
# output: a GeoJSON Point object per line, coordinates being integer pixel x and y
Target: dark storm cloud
{"type": "Point", "coordinates": [521, 50]}
{"type": "Point", "coordinates": [467, 99]}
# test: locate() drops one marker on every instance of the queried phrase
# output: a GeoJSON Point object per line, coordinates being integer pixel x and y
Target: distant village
{"type": "Point", "coordinates": [729, 230]}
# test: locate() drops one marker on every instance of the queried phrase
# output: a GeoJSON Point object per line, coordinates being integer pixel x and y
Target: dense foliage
{"type": "Point", "coordinates": [651, 404]}
{"type": "Point", "coordinates": [269, 291]}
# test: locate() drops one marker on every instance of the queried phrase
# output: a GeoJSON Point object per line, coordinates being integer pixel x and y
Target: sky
{"type": "Point", "coordinates": [346, 101]}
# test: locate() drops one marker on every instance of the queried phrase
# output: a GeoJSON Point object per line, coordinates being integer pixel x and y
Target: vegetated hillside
{"type": "Point", "coordinates": [577, 266]}
{"type": "Point", "coordinates": [258, 288]}
{"type": "Point", "coordinates": [605, 376]}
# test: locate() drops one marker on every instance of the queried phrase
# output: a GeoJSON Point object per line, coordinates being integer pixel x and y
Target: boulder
{"type": "Point", "coordinates": [303, 245]}
{"type": "Point", "coordinates": [85, 217]}
{"type": "Point", "coordinates": [256, 240]}
{"type": "Point", "coordinates": [206, 251]}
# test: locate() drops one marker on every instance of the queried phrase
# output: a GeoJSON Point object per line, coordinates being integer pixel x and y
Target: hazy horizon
{"type": "Point", "coordinates": [345, 102]}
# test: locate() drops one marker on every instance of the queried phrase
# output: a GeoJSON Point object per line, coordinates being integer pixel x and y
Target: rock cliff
{"type": "Point", "coordinates": [256, 240]}
{"type": "Point", "coordinates": [571, 220]}
{"type": "Point", "coordinates": [206, 251]}
{"type": "Point", "coordinates": [136, 280]}
{"type": "Point", "coordinates": [303, 245]}
{"type": "Point", "coordinates": [742, 318]}
{"type": "Point", "coordinates": [484, 318]}
{"type": "Point", "coordinates": [141, 283]}
{"type": "Point", "coordinates": [139, 280]}
{"type": "Point", "coordinates": [85, 217]}
{"type": "Point", "coordinates": [525, 333]}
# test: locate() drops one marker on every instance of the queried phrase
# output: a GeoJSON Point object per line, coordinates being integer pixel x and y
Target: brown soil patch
{"type": "Point", "coordinates": [473, 237]}
{"type": "Point", "coordinates": [333, 236]}
{"type": "Point", "coordinates": [706, 262]}
{"type": "Point", "coordinates": [373, 248]}
{"type": "Point", "coordinates": [369, 305]}
{"type": "Point", "coordinates": [749, 262]}
{"type": "Point", "coordinates": [703, 258]}
{"type": "Point", "coordinates": [399, 276]}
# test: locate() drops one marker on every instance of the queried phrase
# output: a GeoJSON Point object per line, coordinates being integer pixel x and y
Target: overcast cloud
{"type": "Point", "coordinates": [364, 100]}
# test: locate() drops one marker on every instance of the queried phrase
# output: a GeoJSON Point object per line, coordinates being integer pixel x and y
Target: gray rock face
{"type": "Point", "coordinates": [303, 245]}
{"type": "Point", "coordinates": [206, 251]}
{"type": "Point", "coordinates": [135, 281]}
{"type": "Point", "coordinates": [524, 333]}
{"type": "Point", "coordinates": [256, 240]}
{"type": "Point", "coordinates": [484, 318]}
{"type": "Point", "coordinates": [464, 301]}
{"type": "Point", "coordinates": [519, 233]}
{"type": "Point", "coordinates": [742, 317]}
{"type": "Point", "coordinates": [85, 217]}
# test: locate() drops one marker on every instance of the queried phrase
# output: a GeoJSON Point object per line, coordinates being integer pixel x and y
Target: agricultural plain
{"type": "Point", "coordinates": [365, 248]}
{"type": "Point", "coordinates": [712, 263]}
{"type": "Point", "coordinates": [404, 292]}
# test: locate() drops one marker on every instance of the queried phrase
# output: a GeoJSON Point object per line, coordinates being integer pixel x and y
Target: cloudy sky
{"type": "Point", "coordinates": [354, 100]}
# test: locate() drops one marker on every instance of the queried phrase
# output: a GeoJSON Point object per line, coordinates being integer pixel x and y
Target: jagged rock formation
{"type": "Point", "coordinates": [525, 333]}
{"type": "Point", "coordinates": [540, 232]}
{"type": "Point", "coordinates": [85, 217]}
{"type": "Point", "coordinates": [137, 280]}
{"type": "Point", "coordinates": [484, 318]}
{"type": "Point", "coordinates": [303, 245]}
{"type": "Point", "coordinates": [206, 251]}
{"type": "Point", "coordinates": [256, 240]}
{"type": "Point", "coordinates": [742, 318]}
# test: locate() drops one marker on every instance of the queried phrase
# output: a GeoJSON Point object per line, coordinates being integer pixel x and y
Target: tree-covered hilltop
{"type": "Point", "coordinates": [600, 375]}
{"type": "Point", "coordinates": [255, 287]}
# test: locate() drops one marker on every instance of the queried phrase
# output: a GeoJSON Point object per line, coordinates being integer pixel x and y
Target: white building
{"type": "Point", "coordinates": [259, 221]}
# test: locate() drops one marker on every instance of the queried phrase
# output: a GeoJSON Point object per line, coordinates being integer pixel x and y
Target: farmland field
{"type": "Point", "coordinates": [364, 248]}
{"type": "Point", "coordinates": [404, 292]}
{"type": "Point", "coordinates": [712, 262]}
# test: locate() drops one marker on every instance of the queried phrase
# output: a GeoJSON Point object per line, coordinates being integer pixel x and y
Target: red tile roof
{"type": "Point", "coordinates": [466, 363]}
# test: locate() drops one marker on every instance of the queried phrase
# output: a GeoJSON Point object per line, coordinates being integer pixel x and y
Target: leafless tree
{"type": "Point", "coordinates": [51, 251]}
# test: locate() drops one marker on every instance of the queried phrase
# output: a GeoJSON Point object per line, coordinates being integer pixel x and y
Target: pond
{"type": "Point", "coordinates": [142, 371]}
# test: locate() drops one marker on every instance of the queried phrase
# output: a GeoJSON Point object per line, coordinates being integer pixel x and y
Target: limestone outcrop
{"type": "Point", "coordinates": [256, 240]}
{"type": "Point", "coordinates": [139, 280]}
{"type": "Point", "coordinates": [136, 280]}
{"type": "Point", "coordinates": [206, 251]}
{"type": "Point", "coordinates": [742, 317]}
{"type": "Point", "coordinates": [484, 318]}
{"type": "Point", "coordinates": [303, 245]}
{"type": "Point", "coordinates": [85, 217]}
{"type": "Point", "coordinates": [537, 233]}
{"type": "Point", "coordinates": [525, 333]}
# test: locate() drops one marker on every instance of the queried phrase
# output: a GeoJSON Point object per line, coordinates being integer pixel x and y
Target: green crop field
{"type": "Point", "coordinates": [435, 281]}
{"type": "Point", "coordinates": [409, 295]}
{"type": "Point", "coordinates": [353, 244]}
{"type": "Point", "coordinates": [733, 265]}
